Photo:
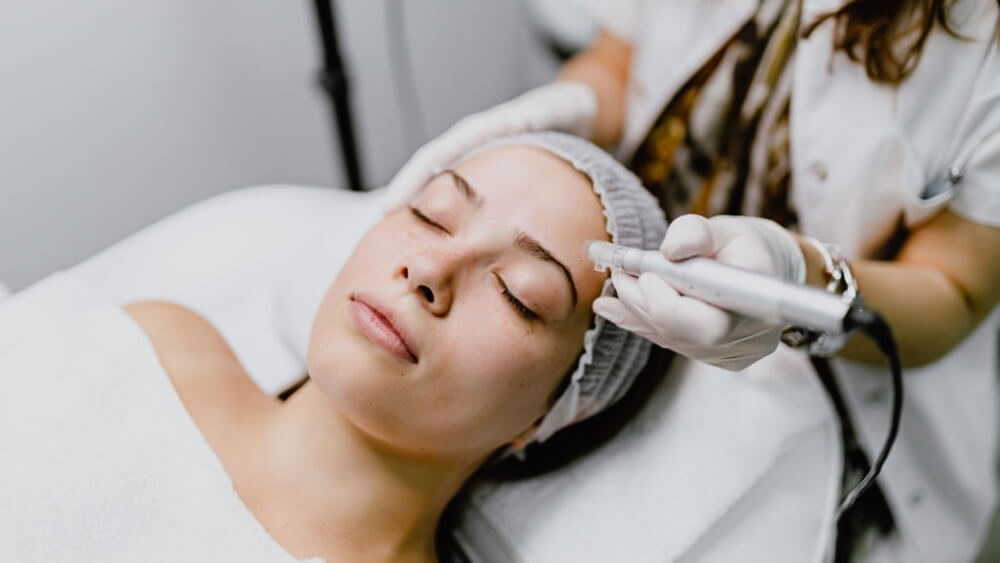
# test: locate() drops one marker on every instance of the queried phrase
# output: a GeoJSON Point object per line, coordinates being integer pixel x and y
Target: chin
{"type": "Point", "coordinates": [356, 377]}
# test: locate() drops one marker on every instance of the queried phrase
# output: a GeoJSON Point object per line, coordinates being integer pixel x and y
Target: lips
{"type": "Point", "coordinates": [380, 324]}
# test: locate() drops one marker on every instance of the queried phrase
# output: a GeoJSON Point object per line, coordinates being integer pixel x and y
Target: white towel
{"type": "Point", "coordinates": [99, 460]}
{"type": "Point", "coordinates": [715, 467]}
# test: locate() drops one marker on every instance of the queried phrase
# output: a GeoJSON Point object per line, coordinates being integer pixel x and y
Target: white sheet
{"type": "Point", "coordinates": [255, 262]}
{"type": "Point", "coordinates": [101, 461]}
{"type": "Point", "coordinates": [698, 476]}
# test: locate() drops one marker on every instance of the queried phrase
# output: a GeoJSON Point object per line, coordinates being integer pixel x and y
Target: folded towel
{"type": "Point", "coordinates": [100, 460]}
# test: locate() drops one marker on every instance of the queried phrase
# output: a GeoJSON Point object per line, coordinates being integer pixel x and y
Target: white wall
{"type": "Point", "coordinates": [115, 113]}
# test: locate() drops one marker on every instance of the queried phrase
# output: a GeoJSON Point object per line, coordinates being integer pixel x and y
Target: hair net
{"type": "Point", "coordinates": [612, 356]}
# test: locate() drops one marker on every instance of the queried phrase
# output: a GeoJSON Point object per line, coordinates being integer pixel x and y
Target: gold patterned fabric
{"type": "Point", "coordinates": [721, 145]}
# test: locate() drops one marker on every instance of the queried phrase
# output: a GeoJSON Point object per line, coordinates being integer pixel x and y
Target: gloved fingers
{"type": "Point", "coordinates": [532, 118]}
{"type": "Point", "coordinates": [569, 106]}
{"type": "Point", "coordinates": [631, 295]}
{"type": "Point", "coordinates": [732, 358]}
{"type": "Point", "coordinates": [408, 181]}
{"type": "Point", "coordinates": [676, 320]}
{"type": "Point", "coordinates": [564, 106]}
{"type": "Point", "coordinates": [747, 251]}
{"type": "Point", "coordinates": [682, 319]}
{"type": "Point", "coordinates": [789, 263]}
{"type": "Point", "coordinates": [763, 246]}
{"type": "Point", "coordinates": [754, 333]}
{"type": "Point", "coordinates": [638, 320]}
{"type": "Point", "coordinates": [730, 240]}
{"type": "Point", "coordinates": [578, 112]}
{"type": "Point", "coordinates": [747, 348]}
{"type": "Point", "coordinates": [612, 309]}
{"type": "Point", "coordinates": [692, 235]}
{"type": "Point", "coordinates": [505, 120]}
{"type": "Point", "coordinates": [469, 133]}
{"type": "Point", "coordinates": [466, 134]}
{"type": "Point", "coordinates": [616, 312]}
{"type": "Point", "coordinates": [735, 363]}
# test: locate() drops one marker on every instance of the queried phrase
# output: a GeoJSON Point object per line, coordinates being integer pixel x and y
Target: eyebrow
{"type": "Point", "coordinates": [528, 244]}
{"type": "Point", "coordinates": [471, 195]}
{"type": "Point", "coordinates": [523, 240]}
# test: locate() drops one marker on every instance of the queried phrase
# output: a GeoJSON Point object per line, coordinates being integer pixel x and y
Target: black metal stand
{"type": "Point", "coordinates": [333, 79]}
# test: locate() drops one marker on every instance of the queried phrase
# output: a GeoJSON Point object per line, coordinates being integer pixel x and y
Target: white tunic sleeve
{"type": "Point", "coordinates": [977, 159]}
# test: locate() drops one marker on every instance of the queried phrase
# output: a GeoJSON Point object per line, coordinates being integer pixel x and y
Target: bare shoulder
{"type": "Point", "coordinates": [181, 336]}
{"type": "Point", "coordinates": [165, 320]}
{"type": "Point", "coordinates": [198, 360]}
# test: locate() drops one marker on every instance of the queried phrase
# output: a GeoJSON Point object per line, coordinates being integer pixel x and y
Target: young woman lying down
{"type": "Point", "coordinates": [459, 328]}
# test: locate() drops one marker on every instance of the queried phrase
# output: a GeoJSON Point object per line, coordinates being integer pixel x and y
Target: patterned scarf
{"type": "Point", "coordinates": [722, 143]}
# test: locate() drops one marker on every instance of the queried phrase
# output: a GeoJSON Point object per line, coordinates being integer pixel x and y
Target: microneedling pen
{"type": "Point", "coordinates": [769, 298]}
{"type": "Point", "coordinates": [732, 288]}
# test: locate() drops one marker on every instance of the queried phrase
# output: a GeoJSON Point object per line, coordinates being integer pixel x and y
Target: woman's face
{"type": "Point", "coordinates": [454, 320]}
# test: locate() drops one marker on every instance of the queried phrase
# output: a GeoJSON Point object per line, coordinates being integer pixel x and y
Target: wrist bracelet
{"type": "Point", "coordinates": [840, 281]}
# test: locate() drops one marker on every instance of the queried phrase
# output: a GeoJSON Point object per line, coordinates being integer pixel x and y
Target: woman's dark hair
{"type": "Point", "coordinates": [886, 36]}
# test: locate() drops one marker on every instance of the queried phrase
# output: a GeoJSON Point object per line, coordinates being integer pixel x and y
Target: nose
{"type": "Point", "coordinates": [431, 275]}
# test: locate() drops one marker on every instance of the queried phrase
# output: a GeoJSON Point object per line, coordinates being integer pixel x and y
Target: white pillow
{"type": "Point", "coordinates": [232, 258]}
{"type": "Point", "coordinates": [715, 467]}
{"type": "Point", "coordinates": [336, 223]}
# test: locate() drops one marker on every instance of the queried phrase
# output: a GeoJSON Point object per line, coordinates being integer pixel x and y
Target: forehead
{"type": "Point", "coordinates": [529, 178]}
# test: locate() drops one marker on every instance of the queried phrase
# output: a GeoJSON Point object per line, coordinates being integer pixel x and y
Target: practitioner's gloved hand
{"type": "Point", "coordinates": [563, 106]}
{"type": "Point", "coordinates": [651, 308]}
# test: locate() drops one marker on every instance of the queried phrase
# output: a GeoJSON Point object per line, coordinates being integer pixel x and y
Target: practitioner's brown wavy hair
{"type": "Point", "coordinates": [886, 36]}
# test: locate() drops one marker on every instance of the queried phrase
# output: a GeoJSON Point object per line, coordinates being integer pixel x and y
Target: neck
{"type": "Point", "coordinates": [355, 496]}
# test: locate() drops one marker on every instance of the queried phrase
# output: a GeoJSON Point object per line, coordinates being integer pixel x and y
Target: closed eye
{"type": "Point", "coordinates": [522, 310]}
{"type": "Point", "coordinates": [427, 220]}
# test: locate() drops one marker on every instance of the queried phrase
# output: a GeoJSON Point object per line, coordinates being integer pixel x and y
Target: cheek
{"type": "Point", "coordinates": [363, 385]}
{"type": "Point", "coordinates": [501, 374]}
{"type": "Point", "coordinates": [339, 360]}
{"type": "Point", "coordinates": [373, 261]}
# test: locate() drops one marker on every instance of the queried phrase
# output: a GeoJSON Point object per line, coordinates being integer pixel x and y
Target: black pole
{"type": "Point", "coordinates": [333, 79]}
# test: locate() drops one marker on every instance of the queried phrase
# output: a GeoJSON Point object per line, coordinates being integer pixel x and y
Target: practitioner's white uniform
{"type": "Point", "coordinates": [865, 155]}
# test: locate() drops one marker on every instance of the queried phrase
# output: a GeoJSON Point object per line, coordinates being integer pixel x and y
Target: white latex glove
{"type": "Point", "coordinates": [651, 308]}
{"type": "Point", "coordinates": [563, 106]}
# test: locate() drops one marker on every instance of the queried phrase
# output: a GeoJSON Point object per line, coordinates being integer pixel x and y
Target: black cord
{"type": "Point", "coordinates": [334, 81]}
{"type": "Point", "coordinates": [874, 327]}
{"type": "Point", "coordinates": [404, 78]}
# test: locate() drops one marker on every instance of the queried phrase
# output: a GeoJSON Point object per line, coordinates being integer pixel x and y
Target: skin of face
{"type": "Point", "coordinates": [484, 372]}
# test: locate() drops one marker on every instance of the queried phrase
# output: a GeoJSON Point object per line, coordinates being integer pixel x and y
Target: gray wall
{"type": "Point", "coordinates": [115, 113]}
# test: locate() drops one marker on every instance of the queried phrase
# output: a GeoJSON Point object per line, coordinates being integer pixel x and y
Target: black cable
{"type": "Point", "coordinates": [874, 327]}
{"type": "Point", "coordinates": [404, 79]}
